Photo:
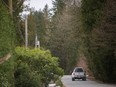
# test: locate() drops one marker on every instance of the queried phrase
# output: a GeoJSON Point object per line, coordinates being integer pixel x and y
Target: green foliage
{"type": "Point", "coordinates": [7, 32]}
{"type": "Point", "coordinates": [6, 74]}
{"type": "Point", "coordinates": [18, 8]}
{"type": "Point", "coordinates": [7, 43]}
{"type": "Point", "coordinates": [32, 29]}
{"type": "Point", "coordinates": [63, 38]}
{"type": "Point", "coordinates": [58, 6]}
{"type": "Point", "coordinates": [91, 11]}
{"type": "Point", "coordinates": [37, 25]}
{"type": "Point", "coordinates": [41, 27]}
{"type": "Point", "coordinates": [98, 43]}
{"type": "Point", "coordinates": [35, 67]}
{"type": "Point", "coordinates": [24, 77]}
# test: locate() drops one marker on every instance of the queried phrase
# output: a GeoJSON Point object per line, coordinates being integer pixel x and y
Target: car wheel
{"type": "Point", "coordinates": [84, 79]}
{"type": "Point", "coordinates": [73, 79]}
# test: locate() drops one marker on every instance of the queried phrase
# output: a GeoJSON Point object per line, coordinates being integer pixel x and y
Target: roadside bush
{"type": "Point", "coordinates": [35, 67]}
{"type": "Point", "coordinates": [6, 74]}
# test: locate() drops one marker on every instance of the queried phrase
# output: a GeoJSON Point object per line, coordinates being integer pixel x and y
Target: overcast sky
{"type": "Point", "coordinates": [39, 4]}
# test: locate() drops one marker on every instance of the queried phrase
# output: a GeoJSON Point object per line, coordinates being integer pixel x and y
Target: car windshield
{"type": "Point", "coordinates": [79, 70]}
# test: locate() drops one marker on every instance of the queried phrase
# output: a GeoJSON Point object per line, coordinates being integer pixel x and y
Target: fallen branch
{"type": "Point", "coordinates": [5, 58]}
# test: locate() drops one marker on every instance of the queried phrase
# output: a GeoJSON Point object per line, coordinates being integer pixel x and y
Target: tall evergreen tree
{"type": "Point", "coordinates": [100, 32]}
{"type": "Point", "coordinates": [64, 36]}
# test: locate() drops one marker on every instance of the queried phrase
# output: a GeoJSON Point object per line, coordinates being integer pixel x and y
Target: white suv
{"type": "Point", "coordinates": [78, 73]}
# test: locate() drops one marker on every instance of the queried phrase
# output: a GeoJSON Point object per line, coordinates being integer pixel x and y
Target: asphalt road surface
{"type": "Point", "coordinates": [67, 81]}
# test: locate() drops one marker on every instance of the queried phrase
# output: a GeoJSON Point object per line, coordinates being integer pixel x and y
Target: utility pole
{"type": "Point", "coordinates": [10, 7]}
{"type": "Point", "coordinates": [37, 43]}
{"type": "Point", "coordinates": [26, 32]}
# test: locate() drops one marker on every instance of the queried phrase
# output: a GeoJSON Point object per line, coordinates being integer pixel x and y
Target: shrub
{"type": "Point", "coordinates": [35, 66]}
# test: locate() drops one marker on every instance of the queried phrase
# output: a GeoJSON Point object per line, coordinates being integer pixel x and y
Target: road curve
{"type": "Point", "coordinates": [67, 81]}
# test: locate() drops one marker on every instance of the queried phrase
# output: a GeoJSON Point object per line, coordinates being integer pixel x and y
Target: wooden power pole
{"type": "Point", "coordinates": [26, 31]}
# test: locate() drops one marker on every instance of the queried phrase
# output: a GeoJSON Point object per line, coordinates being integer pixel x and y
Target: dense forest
{"type": "Point", "coordinates": [99, 24]}
{"type": "Point", "coordinates": [68, 30]}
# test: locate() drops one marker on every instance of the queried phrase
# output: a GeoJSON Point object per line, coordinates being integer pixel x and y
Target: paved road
{"type": "Point", "coordinates": [67, 81]}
